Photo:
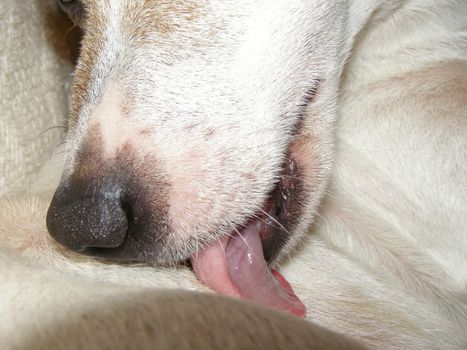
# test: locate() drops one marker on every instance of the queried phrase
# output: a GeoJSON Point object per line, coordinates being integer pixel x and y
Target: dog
{"type": "Point", "coordinates": [214, 134]}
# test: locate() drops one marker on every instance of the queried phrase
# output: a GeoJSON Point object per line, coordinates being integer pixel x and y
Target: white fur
{"type": "Point", "coordinates": [385, 260]}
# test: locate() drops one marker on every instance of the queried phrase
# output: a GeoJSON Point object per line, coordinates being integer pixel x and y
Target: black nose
{"type": "Point", "coordinates": [86, 216]}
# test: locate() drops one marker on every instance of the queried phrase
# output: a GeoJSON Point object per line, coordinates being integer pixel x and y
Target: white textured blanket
{"type": "Point", "coordinates": [34, 83]}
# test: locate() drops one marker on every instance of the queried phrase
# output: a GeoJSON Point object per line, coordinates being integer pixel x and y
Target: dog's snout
{"type": "Point", "coordinates": [85, 217]}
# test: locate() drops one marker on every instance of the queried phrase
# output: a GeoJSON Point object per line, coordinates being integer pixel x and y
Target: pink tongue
{"type": "Point", "coordinates": [236, 267]}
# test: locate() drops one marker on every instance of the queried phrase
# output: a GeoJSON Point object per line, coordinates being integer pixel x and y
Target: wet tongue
{"type": "Point", "coordinates": [235, 266]}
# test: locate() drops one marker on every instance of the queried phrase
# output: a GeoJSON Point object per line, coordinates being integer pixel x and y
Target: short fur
{"type": "Point", "coordinates": [385, 259]}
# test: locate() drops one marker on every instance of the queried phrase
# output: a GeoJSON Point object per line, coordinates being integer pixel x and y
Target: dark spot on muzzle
{"type": "Point", "coordinates": [83, 216]}
{"type": "Point", "coordinates": [112, 208]}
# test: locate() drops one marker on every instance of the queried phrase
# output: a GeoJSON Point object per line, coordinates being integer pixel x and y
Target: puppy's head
{"type": "Point", "coordinates": [193, 121]}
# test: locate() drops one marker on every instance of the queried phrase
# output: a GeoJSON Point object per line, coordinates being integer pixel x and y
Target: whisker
{"type": "Point", "coordinates": [273, 219]}
{"type": "Point", "coordinates": [223, 250]}
{"type": "Point", "coordinates": [244, 240]}
{"type": "Point", "coordinates": [259, 218]}
{"type": "Point", "coordinates": [53, 128]}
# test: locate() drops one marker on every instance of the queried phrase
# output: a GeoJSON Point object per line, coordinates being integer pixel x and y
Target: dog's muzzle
{"type": "Point", "coordinates": [104, 214]}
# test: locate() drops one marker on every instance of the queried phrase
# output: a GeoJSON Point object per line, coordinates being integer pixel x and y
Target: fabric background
{"type": "Point", "coordinates": [35, 76]}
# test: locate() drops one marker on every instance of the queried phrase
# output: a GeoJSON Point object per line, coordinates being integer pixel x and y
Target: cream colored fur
{"type": "Point", "coordinates": [384, 262]}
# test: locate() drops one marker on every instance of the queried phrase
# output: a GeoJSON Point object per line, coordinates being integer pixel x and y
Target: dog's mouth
{"type": "Point", "coordinates": [237, 265]}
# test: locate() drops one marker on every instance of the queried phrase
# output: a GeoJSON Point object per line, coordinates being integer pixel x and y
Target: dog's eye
{"type": "Point", "coordinates": [73, 9]}
{"type": "Point", "coordinates": [66, 5]}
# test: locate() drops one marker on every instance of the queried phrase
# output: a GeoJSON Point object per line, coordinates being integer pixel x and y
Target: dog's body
{"type": "Point", "coordinates": [386, 260]}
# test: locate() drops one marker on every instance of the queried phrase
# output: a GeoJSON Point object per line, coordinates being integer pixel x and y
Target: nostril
{"type": "Point", "coordinates": [128, 210]}
{"type": "Point", "coordinates": [81, 222]}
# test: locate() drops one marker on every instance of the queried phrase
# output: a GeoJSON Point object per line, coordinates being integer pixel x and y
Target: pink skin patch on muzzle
{"type": "Point", "coordinates": [235, 266]}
